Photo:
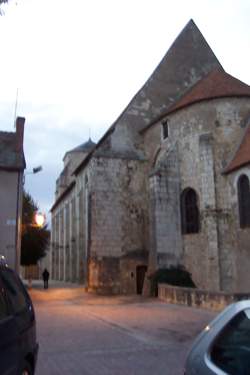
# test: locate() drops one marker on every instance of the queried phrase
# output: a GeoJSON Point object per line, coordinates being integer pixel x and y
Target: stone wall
{"type": "Point", "coordinates": [241, 261]}
{"type": "Point", "coordinates": [205, 136]}
{"type": "Point", "coordinates": [164, 198]}
{"type": "Point", "coordinates": [118, 218]}
{"type": "Point", "coordinates": [126, 201]}
{"type": "Point", "coordinates": [67, 238]}
{"type": "Point", "coordinates": [71, 161]}
{"type": "Point", "coordinates": [102, 219]}
{"type": "Point", "coordinates": [69, 222]}
{"type": "Point", "coordinates": [198, 298]}
{"type": "Point", "coordinates": [129, 265]}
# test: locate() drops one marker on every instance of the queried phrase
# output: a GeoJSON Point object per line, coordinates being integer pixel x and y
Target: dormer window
{"type": "Point", "coordinates": [165, 129]}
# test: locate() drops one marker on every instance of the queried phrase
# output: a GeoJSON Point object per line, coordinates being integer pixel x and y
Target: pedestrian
{"type": "Point", "coordinates": [46, 278]}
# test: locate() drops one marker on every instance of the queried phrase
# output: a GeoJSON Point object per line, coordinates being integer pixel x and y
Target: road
{"type": "Point", "coordinates": [82, 334]}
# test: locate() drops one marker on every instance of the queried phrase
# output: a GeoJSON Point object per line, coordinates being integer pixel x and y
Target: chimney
{"type": "Point", "coordinates": [19, 133]}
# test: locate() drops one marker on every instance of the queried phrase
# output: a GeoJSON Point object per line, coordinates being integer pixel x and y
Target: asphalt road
{"type": "Point", "coordinates": [84, 334]}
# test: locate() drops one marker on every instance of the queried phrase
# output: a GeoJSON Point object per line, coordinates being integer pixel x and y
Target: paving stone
{"type": "Point", "coordinates": [85, 334]}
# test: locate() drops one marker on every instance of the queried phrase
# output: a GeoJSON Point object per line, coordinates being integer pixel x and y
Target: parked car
{"type": "Point", "coordinates": [223, 347]}
{"type": "Point", "coordinates": [18, 344]}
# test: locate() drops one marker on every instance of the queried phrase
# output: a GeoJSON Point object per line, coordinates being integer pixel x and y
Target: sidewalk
{"type": "Point", "coordinates": [38, 284]}
{"type": "Point", "coordinates": [59, 290]}
{"type": "Point", "coordinates": [84, 334]}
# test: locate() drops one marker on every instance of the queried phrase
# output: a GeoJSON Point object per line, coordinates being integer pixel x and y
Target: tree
{"type": "Point", "coordinates": [35, 239]}
{"type": "Point", "coordinates": [1, 3]}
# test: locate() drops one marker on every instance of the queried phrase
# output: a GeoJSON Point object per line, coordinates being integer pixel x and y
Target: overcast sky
{"type": "Point", "coordinates": [78, 63]}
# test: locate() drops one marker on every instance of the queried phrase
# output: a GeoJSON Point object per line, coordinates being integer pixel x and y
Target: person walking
{"type": "Point", "coordinates": [45, 278]}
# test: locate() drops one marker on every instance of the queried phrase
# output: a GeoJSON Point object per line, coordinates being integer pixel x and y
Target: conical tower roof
{"type": "Point", "coordinates": [84, 147]}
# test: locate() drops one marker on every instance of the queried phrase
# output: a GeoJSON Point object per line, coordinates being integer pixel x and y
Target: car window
{"type": "Point", "coordinates": [231, 350]}
{"type": "Point", "coordinates": [3, 307]}
{"type": "Point", "coordinates": [14, 291]}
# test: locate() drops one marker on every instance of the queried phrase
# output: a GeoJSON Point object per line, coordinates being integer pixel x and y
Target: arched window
{"type": "Point", "coordinates": [244, 201]}
{"type": "Point", "coordinates": [190, 221]}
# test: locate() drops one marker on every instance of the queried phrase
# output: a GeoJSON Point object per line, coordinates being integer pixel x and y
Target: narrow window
{"type": "Point", "coordinates": [244, 201]}
{"type": "Point", "coordinates": [189, 212]}
{"type": "Point", "coordinates": [165, 129]}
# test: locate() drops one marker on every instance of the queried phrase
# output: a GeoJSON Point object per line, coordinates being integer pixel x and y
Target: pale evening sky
{"type": "Point", "coordinates": [78, 63]}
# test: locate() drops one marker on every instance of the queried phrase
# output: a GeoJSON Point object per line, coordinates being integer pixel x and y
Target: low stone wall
{"type": "Point", "coordinates": [216, 301]}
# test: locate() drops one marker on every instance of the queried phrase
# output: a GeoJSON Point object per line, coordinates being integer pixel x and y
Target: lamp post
{"type": "Point", "coordinates": [19, 214]}
{"type": "Point", "coordinates": [38, 222]}
{"type": "Point", "coordinates": [34, 171]}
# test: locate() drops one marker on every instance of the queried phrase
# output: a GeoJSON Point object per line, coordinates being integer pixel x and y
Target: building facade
{"type": "Point", "coordinates": [167, 185]}
{"type": "Point", "coordinates": [12, 165]}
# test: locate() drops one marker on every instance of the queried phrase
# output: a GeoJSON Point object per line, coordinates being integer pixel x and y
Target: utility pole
{"type": "Point", "coordinates": [15, 108]}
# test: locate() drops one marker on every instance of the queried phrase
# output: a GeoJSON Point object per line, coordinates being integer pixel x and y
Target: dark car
{"type": "Point", "coordinates": [18, 345]}
{"type": "Point", "coordinates": [223, 347]}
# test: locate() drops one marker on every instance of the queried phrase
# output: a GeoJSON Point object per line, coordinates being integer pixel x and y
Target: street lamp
{"type": "Point", "coordinates": [37, 169]}
{"type": "Point", "coordinates": [39, 219]}
{"type": "Point", "coordinates": [34, 171]}
{"type": "Point", "coordinates": [19, 214]}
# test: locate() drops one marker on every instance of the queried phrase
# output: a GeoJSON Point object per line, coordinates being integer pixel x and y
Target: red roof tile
{"type": "Point", "coordinates": [216, 84]}
{"type": "Point", "coordinates": [242, 155]}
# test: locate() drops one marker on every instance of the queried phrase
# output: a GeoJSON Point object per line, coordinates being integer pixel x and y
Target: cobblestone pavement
{"type": "Point", "coordinates": [83, 334]}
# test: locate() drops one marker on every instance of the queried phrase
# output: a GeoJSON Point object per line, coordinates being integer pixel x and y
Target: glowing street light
{"type": "Point", "coordinates": [39, 219]}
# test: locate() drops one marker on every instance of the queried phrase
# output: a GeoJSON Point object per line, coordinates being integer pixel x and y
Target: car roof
{"type": "Point", "coordinates": [221, 320]}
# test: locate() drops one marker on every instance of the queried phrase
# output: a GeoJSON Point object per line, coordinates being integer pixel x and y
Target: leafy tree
{"type": "Point", "coordinates": [1, 3]}
{"type": "Point", "coordinates": [35, 239]}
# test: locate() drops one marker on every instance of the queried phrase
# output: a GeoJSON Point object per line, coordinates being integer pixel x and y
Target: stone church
{"type": "Point", "coordinates": [167, 184]}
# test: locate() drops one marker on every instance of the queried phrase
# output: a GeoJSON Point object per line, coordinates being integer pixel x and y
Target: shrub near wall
{"type": "Point", "coordinates": [176, 276]}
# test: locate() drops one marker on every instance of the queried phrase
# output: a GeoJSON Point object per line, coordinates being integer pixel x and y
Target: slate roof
{"type": "Point", "coordinates": [84, 147]}
{"type": "Point", "coordinates": [242, 155]}
{"type": "Point", "coordinates": [188, 60]}
{"type": "Point", "coordinates": [10, 157]}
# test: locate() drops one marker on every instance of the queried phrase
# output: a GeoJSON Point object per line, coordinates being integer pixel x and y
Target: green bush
{"type": "Point", "coordinates": [176, 276]}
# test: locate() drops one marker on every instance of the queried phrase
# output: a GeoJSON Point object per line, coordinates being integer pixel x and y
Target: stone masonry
{"type": "Point", "coordinates": [161, 187]}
